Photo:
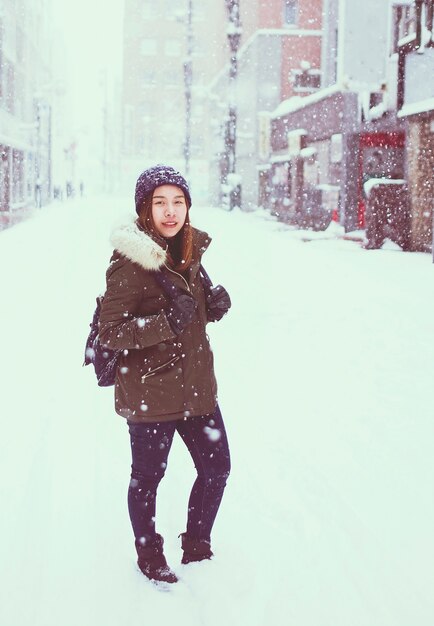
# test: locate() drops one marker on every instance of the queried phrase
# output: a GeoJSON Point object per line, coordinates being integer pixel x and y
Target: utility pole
{"type": "Point", "coordinates": [188, 80]}
{"type": "Point", "coordinates": [232, 183]}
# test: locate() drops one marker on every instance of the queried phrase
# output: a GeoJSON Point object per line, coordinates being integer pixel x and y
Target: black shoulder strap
{"type": "Point", "coordinates": [207, 280]}
{"type": "Point", "coordinates": [169, 286]}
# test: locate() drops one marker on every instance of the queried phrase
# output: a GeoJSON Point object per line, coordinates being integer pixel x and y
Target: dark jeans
{"type": "Point", "coordinates": [205, 438]}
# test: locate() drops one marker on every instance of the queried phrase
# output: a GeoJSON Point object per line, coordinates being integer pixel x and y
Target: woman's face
{"type": "Point", "coordinates": [169, 210]}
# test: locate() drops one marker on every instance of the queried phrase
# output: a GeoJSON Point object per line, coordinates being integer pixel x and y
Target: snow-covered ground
{"type": "Point", "coordinates": [325, 368]}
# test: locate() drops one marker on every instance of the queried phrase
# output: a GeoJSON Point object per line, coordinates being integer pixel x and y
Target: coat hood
{"type": "Point", "coordinates": [138, 246]}
{"type": "Point", "coordinates": [134, 243]}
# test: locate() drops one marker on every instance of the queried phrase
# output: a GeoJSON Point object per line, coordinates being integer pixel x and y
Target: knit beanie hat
{"type": "Point", "coordinates": [155, 176]}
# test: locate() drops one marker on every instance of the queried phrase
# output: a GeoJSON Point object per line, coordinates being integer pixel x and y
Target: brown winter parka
{"type": "Point", "coordinates": [161, 376]}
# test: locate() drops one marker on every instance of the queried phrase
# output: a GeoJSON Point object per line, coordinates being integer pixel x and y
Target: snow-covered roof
{"type": "Point", "coordinates": [407, 39]}
{"type": "Point", "coordinates": [308, 152]}
{"type": "Point", "coordinates": [296, 132]}
{"type": "Point", "coordinates": [296, 103]}
{"type": "Point", "coordinates": [14, 142]}
{"type": "Point", "coordinates": [290, 32]}
{"type": "Point", "coordinates": [327, 187]}
{"type": "Point", "coordinates": [422, 106]}
{"type": "Point", "coordinates": [280, 158]}
{"type": "Point", "coordinates": [376, 112]}
{"type": "Point", "coordinates": [232, 29]}
{"type": "Point", "coordinates": [374, 182]}
{"type": "Point", "coordinates": [234, 179]}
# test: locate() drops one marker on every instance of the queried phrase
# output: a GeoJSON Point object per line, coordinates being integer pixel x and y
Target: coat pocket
{"type": "Point", "coordinates": [160, 369]}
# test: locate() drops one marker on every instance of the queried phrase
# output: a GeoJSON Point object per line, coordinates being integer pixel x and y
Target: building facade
{"type": "Point", "coordinates": [416, 108]}
{"type": "Point", "coordinates": [166, 44]}
{"type": "Point", "coordinates": [25, 106]}
{"type": "Point", "coordinates": [335, 140]}
{"type": "Point", "coordinates": [279, 58]}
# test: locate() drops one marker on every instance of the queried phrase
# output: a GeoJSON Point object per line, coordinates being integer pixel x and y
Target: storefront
{"type": "Point", "coordinates": [381, 155]}
{"type": "Point", "coordinates": [339, 150]}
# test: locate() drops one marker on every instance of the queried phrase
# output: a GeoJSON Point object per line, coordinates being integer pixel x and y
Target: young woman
{"type": "Point", "coordinates": [155, 309]}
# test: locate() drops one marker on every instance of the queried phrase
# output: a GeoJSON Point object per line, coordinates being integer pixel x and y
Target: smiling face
{"type": "Point", "coordinates": [169, 210]}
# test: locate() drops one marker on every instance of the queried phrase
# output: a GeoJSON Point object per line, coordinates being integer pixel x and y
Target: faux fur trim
{"type": "Point", "coordinates": [137, 246]}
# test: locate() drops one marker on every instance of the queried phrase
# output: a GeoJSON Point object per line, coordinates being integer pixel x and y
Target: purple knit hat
{"type": "Point", "coordinates": [155, 176]}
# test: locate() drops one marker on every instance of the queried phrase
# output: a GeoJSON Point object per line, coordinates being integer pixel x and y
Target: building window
{"type": "Point", "coordinates": [290, 12]}
{"type": "Point", "coordinates": [403, 24]}
{"type": "Point", "coordinates": [148, 47]}
{"type": "Point", "coordinates": [309, 80]}
{"type": "Point", "coordinates": [149, 77]}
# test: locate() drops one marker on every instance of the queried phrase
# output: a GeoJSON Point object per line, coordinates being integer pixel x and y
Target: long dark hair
{"type": "Point", "coordinates": [180, 251]}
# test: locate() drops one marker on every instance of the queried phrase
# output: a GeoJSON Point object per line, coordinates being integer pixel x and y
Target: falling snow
{"type": "Point", "coordinates": [301, 113]}
{"type": "Point", "coordinates": [325, 385]}
{"type": "Point", "coordinates": [213, 434]}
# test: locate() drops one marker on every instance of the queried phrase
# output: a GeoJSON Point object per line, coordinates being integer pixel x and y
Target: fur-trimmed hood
{"type": "Point", "coordinates": [138, 246]}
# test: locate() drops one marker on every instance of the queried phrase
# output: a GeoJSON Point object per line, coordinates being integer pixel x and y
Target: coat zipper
{"type": "Point", "coordinates": [180, 275]}
{"type": "Point", "coordinates": [159, 368]}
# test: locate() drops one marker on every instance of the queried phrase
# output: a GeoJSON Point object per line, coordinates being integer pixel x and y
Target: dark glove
{"type": "Point", "coordinates": [181, 312]}
{"type": "Point", "coordinates": [218, 303]}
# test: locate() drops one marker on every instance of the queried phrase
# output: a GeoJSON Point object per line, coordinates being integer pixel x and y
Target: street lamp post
{"type": "Point", "coordinates": [233, 33]}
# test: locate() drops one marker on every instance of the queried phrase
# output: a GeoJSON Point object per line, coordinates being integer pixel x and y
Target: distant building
{"type": "Point", "coordinates": [154, 103]}
{"type": "Point", "coordinates": [279, 58]}
{"type": "Point", "coordinates": [346, 133]}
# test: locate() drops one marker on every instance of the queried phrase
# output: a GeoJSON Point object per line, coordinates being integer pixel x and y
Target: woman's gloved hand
{"type": "Point", "coordinates": [218, 303]}
{"type": "Point", "coordinates": [181, 312]}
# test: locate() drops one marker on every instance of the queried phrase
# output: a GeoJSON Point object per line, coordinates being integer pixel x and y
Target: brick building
{"type": "Point", "coordinates": [348, 131]}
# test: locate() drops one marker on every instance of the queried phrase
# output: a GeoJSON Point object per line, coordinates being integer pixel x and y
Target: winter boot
{"type": "Point", "coordinates": [195, 549]}
{"type": "Point", "coordinates": [152, 562]}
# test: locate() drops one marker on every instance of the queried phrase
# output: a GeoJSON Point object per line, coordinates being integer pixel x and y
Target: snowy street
{"type": "Point", "coordinates": [325, 371]}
